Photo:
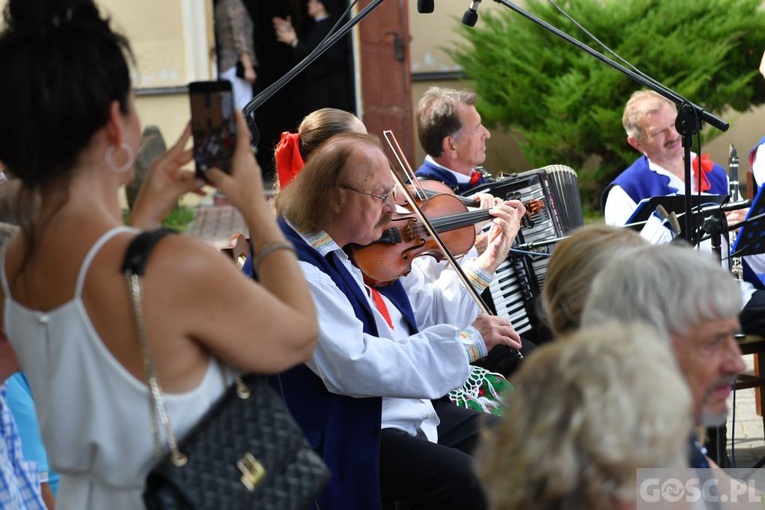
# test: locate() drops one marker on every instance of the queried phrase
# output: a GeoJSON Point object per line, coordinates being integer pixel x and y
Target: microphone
{"type": "Point", "coordinates": [471, 14]}
{"type": "Point", "coordinates": [425, 6]}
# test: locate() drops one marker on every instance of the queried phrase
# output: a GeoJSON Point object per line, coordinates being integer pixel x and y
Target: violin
{"type": "Point", "coordinates": [533, 206]}
{"type": "Point", "coordinates": [398, 153]}
{"type": "Point", "coordinates": [405, 237]}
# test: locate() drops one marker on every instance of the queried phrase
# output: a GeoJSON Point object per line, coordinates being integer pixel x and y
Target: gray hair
{"type": "Point", "coordinates": [640, 104]}
{"type": "Point", "coordinates": [575, 439]}
{"type": "Point", "coordinates": [672, 288]}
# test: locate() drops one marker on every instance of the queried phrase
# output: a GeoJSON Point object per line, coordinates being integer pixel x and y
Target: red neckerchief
{"type": "Point", "coordinates": [475, 178]}
{"type": "Point", "coordinates": [706, 167]}
{"type": "Point", "coordinates": [289, 162]}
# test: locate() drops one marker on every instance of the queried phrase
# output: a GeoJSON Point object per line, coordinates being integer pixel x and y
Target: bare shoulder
{"type": "Point", "coordinates": [188, 257]}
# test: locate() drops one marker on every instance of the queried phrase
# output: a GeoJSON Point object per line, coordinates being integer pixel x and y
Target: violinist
{"type": "Point", "coordinates": [365, 399]}
{"type": "Point", "coordinates": [451, 134]}
{"type": "Point", "coordinates": [485, 386]}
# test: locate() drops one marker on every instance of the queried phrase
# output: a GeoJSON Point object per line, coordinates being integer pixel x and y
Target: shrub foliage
{"type": "Point", "coordinates": [564, 106]}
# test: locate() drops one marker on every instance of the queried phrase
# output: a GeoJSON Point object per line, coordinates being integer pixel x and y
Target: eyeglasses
{"type": "Point", "coordinates": [383, 198]}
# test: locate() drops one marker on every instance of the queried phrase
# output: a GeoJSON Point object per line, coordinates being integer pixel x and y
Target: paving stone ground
{"type": "Point", "coordinates": [746, 436]}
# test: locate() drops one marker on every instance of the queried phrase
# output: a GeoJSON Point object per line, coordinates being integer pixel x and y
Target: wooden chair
{"type": "Point", "coordinates": [238, 249]}
{"type": "Point", "coordinates": [755, 345]}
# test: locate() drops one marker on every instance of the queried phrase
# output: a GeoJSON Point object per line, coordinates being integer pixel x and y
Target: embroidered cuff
{"type": "Point", "coordinates": [479, 278]}
{"type": "Point", "coordinates": [473, 342]}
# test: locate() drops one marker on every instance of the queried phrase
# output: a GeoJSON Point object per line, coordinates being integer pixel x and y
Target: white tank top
{"type": "Point", "coordinates": [94, 415]}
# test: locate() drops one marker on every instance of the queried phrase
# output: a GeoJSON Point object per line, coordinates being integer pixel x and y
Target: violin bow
{"type": "Point", "coordinates": [419, 190]}
{"type": "Point", "coordinates": [390, 138]}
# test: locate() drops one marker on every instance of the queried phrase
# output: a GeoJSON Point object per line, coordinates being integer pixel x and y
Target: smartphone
{"type": "Point", "coordinates": [213, 125]}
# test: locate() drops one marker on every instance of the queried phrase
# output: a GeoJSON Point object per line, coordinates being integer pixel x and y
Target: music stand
{"type": "Point", "coordinates": [750, 239]}
{"type": "Point", "coordinates": [672, 203]}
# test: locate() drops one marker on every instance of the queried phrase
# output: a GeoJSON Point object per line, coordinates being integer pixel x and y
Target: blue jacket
{"type": "Point", "coordinates": [639, 182]}
{"type": "Point", "coordinates": [344, 430]}
{"type": "Point", "coordinates": [429, 171]}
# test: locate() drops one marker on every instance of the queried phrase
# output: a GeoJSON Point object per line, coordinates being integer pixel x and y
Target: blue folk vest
{"type": "Point", "coordinates": [344, 430]}
{"type": "Point", "coordinates": [639, 182]}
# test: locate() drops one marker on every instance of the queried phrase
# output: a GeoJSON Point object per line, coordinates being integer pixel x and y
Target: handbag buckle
{"type": "Point", "coordinates": [252, 471]}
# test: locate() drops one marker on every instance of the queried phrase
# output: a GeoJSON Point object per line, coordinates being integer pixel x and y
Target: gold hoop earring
{"type": "Point", "coordinates": [118, 169]}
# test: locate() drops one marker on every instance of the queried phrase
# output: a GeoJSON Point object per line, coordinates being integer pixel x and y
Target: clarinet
{"type": "Point", "coordinates": [736, 266]}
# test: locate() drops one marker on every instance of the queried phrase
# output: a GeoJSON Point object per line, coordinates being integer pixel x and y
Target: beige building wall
{"type": "Point", "coordinates": [431, 34]}
{"type": "Point", "coordinates": [172, 43]}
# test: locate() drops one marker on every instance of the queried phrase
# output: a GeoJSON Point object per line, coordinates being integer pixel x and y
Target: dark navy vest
{"type": "Point", "coordinates": [429, 171]}
{"type": "Point", "coordinates": [344, 430]}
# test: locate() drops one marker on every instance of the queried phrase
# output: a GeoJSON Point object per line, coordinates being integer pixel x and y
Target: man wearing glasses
{"type": "Point", "coordinates": [370, 398]}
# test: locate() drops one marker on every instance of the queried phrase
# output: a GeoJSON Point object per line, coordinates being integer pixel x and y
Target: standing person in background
{"type": "Point", "coordinates": [236, 51]}
{"type": "Point", "coordinates": [70, 131]}
{"type": "Point", "coordinates": [328, 79]}
{"type": "Point", "coordinates": [450, 131]}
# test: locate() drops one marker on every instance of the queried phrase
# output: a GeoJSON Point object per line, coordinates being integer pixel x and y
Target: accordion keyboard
{"type": "Point", "coordinates": [510, 291]}
{"type": "Point", "coordinates": [520, 278]}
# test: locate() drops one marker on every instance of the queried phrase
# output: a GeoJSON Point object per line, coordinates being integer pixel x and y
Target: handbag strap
{"type": "Point", "coordinates": [133, 268]}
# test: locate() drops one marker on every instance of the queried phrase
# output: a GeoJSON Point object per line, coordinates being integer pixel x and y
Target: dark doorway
{"type": "Point", "coordinates": [287, 107]}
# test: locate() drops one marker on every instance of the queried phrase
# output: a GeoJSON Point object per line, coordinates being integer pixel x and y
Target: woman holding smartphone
{"type": "Point", "coordinates": [69, 131]}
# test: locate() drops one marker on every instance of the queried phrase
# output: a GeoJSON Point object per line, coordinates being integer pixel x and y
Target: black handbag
{"type": "Point", "coordinates": [246, 452]}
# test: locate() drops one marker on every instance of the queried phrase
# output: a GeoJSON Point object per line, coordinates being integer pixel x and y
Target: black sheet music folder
{"type": "Point", "coordinates": [750, 239]}
{"type": "Point", "coordinates": [673, 203]}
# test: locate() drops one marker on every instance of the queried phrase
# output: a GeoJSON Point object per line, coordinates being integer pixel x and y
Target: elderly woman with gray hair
{"type": "Point", "coordinates": [580, 426]}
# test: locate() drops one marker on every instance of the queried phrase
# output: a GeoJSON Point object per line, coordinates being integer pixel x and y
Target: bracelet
{"type": "Point", "coordinates": [268, 249]}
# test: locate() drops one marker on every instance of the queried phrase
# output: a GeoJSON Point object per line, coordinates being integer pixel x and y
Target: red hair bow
{"type": "Point", "coordinates": [289, 162]}
{"type": "Point", "coordinates": [706, 165]}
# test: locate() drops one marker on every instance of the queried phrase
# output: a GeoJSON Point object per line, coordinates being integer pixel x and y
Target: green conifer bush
{"type": "Point", "coordinates": [564, 106]}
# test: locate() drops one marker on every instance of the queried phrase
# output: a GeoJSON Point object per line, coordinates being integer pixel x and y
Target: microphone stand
{"type": "Point", "coordinates": [276, 86]}
{"type": "Point", "coordinates": [689, 115]}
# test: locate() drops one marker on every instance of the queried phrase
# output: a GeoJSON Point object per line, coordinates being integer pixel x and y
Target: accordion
{"type": "Point", "coordinates": [514, 293]}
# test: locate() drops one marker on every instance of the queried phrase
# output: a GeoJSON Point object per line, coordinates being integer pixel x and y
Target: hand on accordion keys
{"type": "Point", "coordinates": [504, 228]}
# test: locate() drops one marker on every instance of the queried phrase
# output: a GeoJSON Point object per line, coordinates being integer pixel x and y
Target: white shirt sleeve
{"type": "Point", "coordinates": [437, 294]}
{"type": "Point", "coordinates": [426, 365]}
{"type": "Point", "coordinates": [655, 230]}
{"type": "Point", "coordinates": [619, 207]}
{"type": "Point", "coordinates": [758, 168]}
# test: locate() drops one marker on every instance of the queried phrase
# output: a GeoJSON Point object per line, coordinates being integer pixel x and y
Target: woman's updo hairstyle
{"type": "Point", "coordinates": [61, 67]}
